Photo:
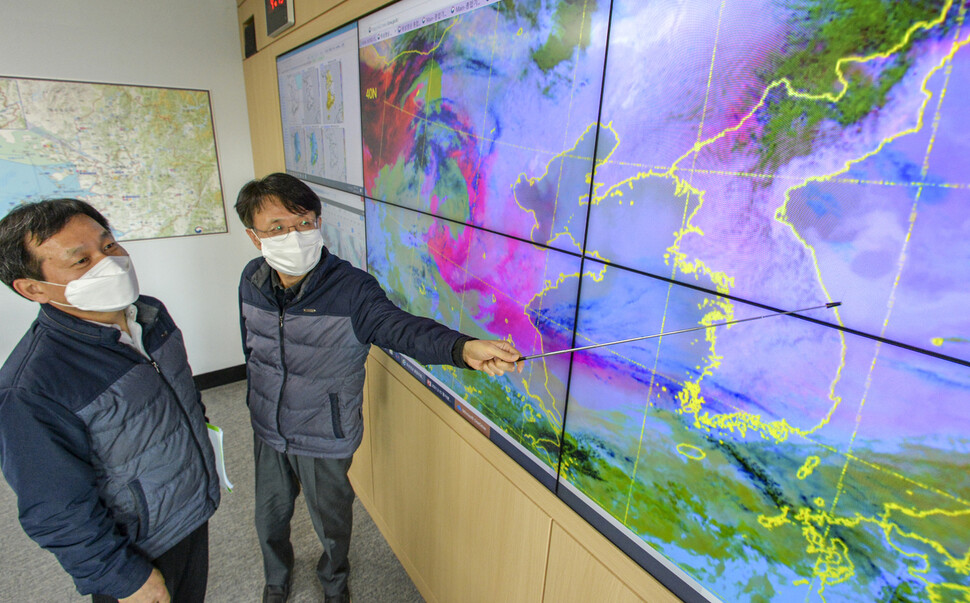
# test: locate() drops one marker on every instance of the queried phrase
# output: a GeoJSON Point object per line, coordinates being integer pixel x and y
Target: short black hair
{"type": "Point", "coordinates": [290, 191]}
{"type": "Point", "coordinates": [34, 223]}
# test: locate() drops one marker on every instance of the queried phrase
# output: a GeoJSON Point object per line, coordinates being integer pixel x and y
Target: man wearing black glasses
{"type": "Point", "coordinates": [308, 319]}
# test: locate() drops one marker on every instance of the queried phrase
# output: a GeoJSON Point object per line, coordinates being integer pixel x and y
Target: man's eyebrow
{"type": "Point", "coordinates": [74, 251]}
{"type": "Point", "coordinates": [105, 234]}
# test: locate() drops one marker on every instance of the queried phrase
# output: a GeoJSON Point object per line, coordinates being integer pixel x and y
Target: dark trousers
{"type": "Point", "coordinates": [329, 498]}
{"type": "Point", "coordinates": [185, 568]}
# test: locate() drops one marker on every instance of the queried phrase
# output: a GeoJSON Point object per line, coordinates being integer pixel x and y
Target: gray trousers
{"type": "Point", "coordinates": [329, 498]}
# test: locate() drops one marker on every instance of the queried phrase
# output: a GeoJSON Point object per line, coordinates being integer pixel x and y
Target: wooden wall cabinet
{"type": "Point", "coordinates": [467, 522]}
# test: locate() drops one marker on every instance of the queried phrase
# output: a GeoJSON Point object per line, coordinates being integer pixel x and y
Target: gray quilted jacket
{"type": "Point", "coordinates": [107, 450]}
{"type": "Point", "coordinates": [305, 356]}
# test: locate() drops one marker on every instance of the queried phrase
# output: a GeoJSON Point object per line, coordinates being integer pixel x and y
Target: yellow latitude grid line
{"type": "Point", "coordinates": [488, 94]}
{"type": "Point", "coordinates": [552, 414]}
{"type": "Point", "coordinates": [761, 176]}
{"type": "Point", "coordinates": [565, 133]}
{"type": "Point", "coordinates": [664, 169]}
{"type": "Point", "coordinates": [673, 272]}
{"type": "Point", "coordinates": [558, 420]}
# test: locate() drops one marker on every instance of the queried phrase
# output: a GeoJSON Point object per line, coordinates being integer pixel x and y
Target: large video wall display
{"type": "Point", "coordinates": [570, 173]}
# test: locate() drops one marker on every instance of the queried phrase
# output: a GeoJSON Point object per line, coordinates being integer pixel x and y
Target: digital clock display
{"type": "Point", "coordinates": [279, 16]}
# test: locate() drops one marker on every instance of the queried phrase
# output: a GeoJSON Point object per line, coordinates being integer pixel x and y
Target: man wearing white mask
{"type": "Point", "coordinates": [102, 431]}
{"type": "Point", "coordinates": [308, 319]}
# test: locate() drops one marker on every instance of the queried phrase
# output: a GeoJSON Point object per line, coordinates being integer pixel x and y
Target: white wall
{"type": "Point", "coordinates": [172, 43]}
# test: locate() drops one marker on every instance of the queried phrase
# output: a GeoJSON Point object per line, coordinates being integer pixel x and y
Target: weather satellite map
{"type": "Point", "coordinates": [145, 157]}
{"type": "Point", "coordinates": [577, 172]}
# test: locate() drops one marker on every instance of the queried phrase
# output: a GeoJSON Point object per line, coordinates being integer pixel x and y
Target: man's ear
{"type": "Point", "coordinates": [31, 290]}
{"type": "Point", "coordinates": [254, 239]}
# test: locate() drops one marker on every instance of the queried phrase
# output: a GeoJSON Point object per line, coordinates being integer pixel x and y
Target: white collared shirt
{"type": "Point", "coordinates": [134, 339]}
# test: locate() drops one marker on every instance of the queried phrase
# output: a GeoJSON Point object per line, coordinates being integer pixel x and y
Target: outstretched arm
{"type": "Point", "coordinates": [377, 320]}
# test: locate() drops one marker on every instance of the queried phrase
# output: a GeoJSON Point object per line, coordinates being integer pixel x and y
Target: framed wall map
{"type": "Point", "coordinates": [143, 156]}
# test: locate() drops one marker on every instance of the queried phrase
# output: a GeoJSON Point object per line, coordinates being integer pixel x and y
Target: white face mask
{"type": "Point", "coordinates": [108, 286]}
{"type": "Point", "coordinates": [294, 253]}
